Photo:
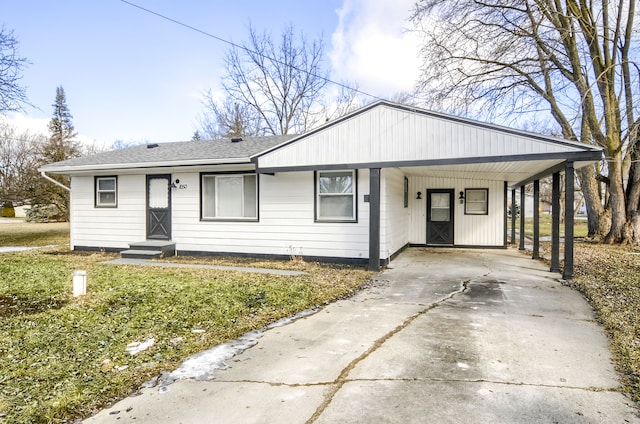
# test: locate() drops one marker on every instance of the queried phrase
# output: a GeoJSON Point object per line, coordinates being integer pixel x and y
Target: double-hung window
{"type": "Point", "coordinates": [476, 201]}
{"type": "Point", "coordinates": [336, 196]}
{"type": "Point", "coordinates": [106, 189]}
{"type": "Point", "coordinates": [229, 196]}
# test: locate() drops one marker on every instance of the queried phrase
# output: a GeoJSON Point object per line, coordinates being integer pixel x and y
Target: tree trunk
{"type": "Point", "coordinates": [598, 220]}
{"type": "Point", "coordinates": [617, 202]}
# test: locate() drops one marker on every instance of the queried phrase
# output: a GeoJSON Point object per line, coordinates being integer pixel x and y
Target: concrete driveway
{"type": "Point", "coordinates": [445, 336]}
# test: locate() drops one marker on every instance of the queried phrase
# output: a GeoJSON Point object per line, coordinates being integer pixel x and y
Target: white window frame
{"type": "Point", "coordinates": [485, 202]}
{"type": "Point", "coordinates": [216, 178]}
{"type": "Point", "coordinates": [98, 202]}
{"type": "Point", "coordinates": [319, 196]}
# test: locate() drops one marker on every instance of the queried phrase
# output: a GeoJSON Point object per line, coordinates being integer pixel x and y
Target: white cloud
{"type": "Point", "coordinates": [24, 123]}
{"type": "Point", "coordinates": [370, 46]}
{"type": "Point", "coordinates": [27, 123]}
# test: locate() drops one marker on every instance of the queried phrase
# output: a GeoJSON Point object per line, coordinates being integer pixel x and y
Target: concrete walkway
{"type": "Point", "coordinates": [446, 336]}
{"type": "Point", "coordinates": [146, 262]}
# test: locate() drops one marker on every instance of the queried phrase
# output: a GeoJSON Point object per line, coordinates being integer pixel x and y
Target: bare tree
{"type": "Point", "coordinates": [282, 82]}
{"type": "Point", "coordinates": [18, 163]}
{"type": "Point", "coordinates": [573, 59]}
{"type": "Point", "coordinates": [229, 118]}
{"type": "Point", "coordinates": [12, 94]}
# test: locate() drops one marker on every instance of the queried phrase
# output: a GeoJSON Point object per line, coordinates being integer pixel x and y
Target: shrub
{"type": "Point", "coordinates": [44, 213]}
{"type": "Point", "coordinates": [7, 210]}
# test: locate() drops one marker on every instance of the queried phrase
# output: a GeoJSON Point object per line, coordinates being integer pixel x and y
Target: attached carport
{"type": "Point", "coordinates": [387, 138]}
{"type": "Point", "coordinates": [516, 172]}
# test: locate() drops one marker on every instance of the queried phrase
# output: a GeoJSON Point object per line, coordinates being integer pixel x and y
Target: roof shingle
{"type": "Point", "coordinates": [186, 151]}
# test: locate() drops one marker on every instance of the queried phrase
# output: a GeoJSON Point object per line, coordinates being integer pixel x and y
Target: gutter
{"type": "Point", "coordinates": [59, 184]}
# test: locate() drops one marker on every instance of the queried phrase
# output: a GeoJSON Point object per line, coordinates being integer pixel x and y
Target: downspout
{"type": "Point", "coordinates": [58, 183]}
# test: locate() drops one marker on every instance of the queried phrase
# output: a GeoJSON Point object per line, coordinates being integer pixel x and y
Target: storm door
{"type": "Point", "coordinates": [440, 217]}
{"type": "Point", "coordinates": [159, 207]}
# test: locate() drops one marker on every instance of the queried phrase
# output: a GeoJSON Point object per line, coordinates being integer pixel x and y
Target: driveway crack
{"type": "Point", "coordinates": [340, 381]}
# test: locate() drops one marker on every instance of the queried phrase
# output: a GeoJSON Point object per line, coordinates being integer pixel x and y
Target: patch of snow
{"type": "Point", "coordinates": [136, 347]}
{"type": "Point", "coordinates": [202, 365]}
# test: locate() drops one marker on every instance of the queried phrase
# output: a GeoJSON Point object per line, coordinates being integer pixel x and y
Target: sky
{"type": "Point", "coordinates": [132, 76]}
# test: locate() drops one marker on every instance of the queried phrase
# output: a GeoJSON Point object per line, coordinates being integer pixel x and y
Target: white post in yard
{"type": "Point", "coordinates": [79, 283]}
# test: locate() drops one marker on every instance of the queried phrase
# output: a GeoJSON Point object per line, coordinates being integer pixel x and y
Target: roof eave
{"type": "Point", "coordinates": [72, 169]}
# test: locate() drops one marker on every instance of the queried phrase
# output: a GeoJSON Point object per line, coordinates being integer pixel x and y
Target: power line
{"type": "Point", "coordinates": [231, 43]}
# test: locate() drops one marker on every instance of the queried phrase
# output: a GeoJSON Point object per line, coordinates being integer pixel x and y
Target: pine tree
{"type": "Point", "coordinates": [52, 200]}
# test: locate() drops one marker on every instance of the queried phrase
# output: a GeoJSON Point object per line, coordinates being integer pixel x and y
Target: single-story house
{"type": "Point", "coordinates": [360, 188]}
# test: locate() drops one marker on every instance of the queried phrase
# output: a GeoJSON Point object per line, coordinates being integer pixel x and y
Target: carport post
{"type": "Point", "coordinates": [522, 208]}
{"type": "Point", "coordinates": [555, 223]}
{"type": "Point", "coordinates": [536, 219]}
{"type": "Point", "coordinates": [568, 221]}
{"type": "Point", "coordinates": [504, 208]}
{"type": "Point", "coordinates": [374, 219]}
{"type": "Point", "coordinates": [513, 216]}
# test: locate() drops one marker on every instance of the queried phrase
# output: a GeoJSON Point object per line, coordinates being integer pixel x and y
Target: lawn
{"type": "Point", "coordinates": [580, 227]}
{"type": "Point", "coordinates": [609, 279]}
{"type": "Point", "coordinates": [62, 358]}
{"type": "Point", "coordinates": [20, 233]}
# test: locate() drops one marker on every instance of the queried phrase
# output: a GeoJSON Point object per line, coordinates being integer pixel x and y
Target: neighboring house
{"type": "Point", "coordinates": [360, 188]}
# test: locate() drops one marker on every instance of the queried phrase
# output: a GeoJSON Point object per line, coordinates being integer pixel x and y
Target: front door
{"type": "Point", "coordinates": [440, 217]}
{"type": "Point", "coordinates": [159, 207]}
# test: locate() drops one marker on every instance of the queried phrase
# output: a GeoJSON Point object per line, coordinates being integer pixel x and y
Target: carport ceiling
{"type": "Point", "coordinates": [513, 172]}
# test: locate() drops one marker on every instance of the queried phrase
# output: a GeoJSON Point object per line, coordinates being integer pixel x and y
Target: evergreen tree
{"type": "Point", "coordinates": [60, 146]}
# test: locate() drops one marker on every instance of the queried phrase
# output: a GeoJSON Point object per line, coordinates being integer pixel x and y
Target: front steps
{"type": "Point", "coordinates": [150, 249]}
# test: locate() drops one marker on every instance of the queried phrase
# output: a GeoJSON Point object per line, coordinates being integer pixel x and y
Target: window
{"type": "Point", "coordinates": [336, 196]}
{"type": "Point", "coordinates": [406, 192]}
{"type": "Point", "coordinates": [476, 201]}
{"type": "Point", "coordinates": [106, 192]}
{"type": "Point", "coordinates": [229, 196]}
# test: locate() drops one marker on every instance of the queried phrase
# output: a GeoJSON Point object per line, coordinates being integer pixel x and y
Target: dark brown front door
{"type": "Point", "coordinates": [159, 207]}
{"type": "Point", "coordinates": [440, 217]}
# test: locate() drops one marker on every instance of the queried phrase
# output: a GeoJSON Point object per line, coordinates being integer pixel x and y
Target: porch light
{"type": "Point", "coordinates": [175, 183]}
{"type": "Point", "coordinates": [461, 197]}
{"type": "Point", "coordinates": [419, 196]}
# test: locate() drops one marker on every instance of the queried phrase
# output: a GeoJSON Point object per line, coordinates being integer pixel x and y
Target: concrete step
{"type": "Point", "coordinates": [166, 248]}
{"type": "Point", "coordinates": [141, 254]}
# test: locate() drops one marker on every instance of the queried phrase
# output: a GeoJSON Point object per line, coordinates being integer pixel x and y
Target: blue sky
{"type": "Point", "coordinates": [131, 76]}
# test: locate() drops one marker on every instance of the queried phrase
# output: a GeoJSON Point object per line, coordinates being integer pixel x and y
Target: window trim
{"type": "Point", "coordinates": [316, 197]}
{"type": "Point", "coordinates": [97, 191]}
{"type": "Point", "coordinates": [229, 219]}
{"type": "Point", "coordinates": [466, 201]}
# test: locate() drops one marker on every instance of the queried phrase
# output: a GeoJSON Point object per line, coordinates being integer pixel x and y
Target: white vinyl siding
{"type": "Point", "coordinates": [388, 134]}
{"type": "Point", "coordinates": [286, 225]}
{"type": "Point", "coordinates": [469, 230]}
{"type": "Point", "coordinates": [394, 217]}
{"type": "Point", "coordinates": [229, 196]}
{"type": "Point", "coordinates": [108, 227]}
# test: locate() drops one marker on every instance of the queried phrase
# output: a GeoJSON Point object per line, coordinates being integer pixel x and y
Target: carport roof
{"type": "Point", "coordinates": [421, 142]}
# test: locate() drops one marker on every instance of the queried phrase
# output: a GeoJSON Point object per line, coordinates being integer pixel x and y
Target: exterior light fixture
{"type": "Point", "coordinates": [419, 196]}
{"type": "Point", "coordinates": [461, 197]}
{"type": "Point", "coordinates": [175, 183]}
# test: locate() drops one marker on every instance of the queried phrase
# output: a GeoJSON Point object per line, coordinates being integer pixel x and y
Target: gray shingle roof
{"type": "Point", "coordinates": [172, 154]}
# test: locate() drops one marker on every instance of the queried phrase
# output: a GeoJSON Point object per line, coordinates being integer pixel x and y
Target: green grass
{"type": "Point", "coordinates": [62, 358]}
{"type": "Point", "coordinates": [20, 233]}
{"type": "Point", "coordinates": [580, 228]}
